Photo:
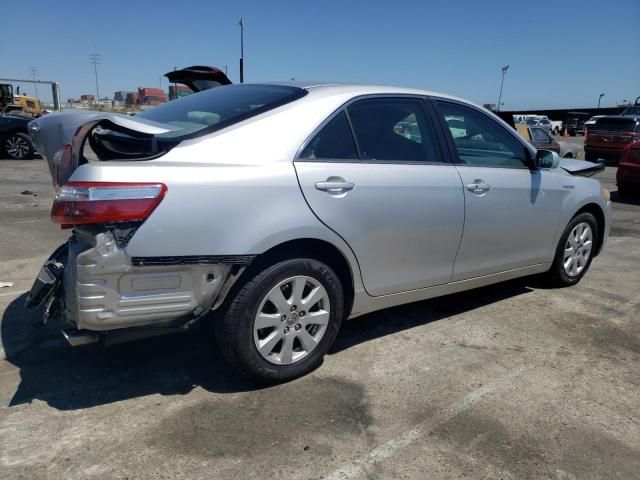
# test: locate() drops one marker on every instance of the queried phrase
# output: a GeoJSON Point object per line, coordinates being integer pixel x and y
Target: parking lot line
{"type": "Point", "coordinates": [388, 449]}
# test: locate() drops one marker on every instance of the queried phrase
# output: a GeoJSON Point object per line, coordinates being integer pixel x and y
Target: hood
{"type": "Point", "coordinates": [55, 130]}
{"type": "Point", "coordinates": [580, 167]}
{"type": "Point", "coordinates": [198, 77]}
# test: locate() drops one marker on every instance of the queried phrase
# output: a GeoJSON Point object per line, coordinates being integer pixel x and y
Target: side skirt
{"type": "Point", "coordinates": [364, 303]}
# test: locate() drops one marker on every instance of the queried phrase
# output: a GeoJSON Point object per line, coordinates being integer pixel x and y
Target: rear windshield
{"type": "Point", "coordinates": [219, 107]}
{"type": "Point", "coordinates": [631, 111]}
{"type": "Point", "coordinates": [616, 125]}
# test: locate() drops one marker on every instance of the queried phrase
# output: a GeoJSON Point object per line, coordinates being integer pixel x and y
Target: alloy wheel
{"type": "Point", "coordinates": [17, 147]}
{"type": "Point", "coordinates": [291, 320]}
{"type": "Point", "coordinates": [577, 250]}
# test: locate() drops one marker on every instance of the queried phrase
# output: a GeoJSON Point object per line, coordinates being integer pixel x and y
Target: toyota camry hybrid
{"type": "Point", "coordinates": [288, 208]}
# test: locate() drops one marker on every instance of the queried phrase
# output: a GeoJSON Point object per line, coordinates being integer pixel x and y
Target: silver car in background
{"type": "Point", "coordinates": [287, 209]}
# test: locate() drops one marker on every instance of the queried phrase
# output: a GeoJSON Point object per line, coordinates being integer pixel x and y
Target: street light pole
{"type": "Point", "coordinates": [241, 50]}
{"type": "Point", "coordinates": [600, 98]}
{"type": "Point", "coordinates": [95, 59]}
{"type": "Point", "coordinates": [504, 71]}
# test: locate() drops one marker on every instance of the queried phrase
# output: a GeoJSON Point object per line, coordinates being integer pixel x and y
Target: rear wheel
{"type": "Point", "coordinates": [18, 146]}
{"type": "Point", "coordinates": [575, 250]}
{"type": "Point", "coordinates": [282, 322]}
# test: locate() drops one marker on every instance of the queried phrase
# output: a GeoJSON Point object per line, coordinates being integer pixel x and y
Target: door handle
{"type": "Point", "coordinates": [334, 186]}
{"type": "Point", "coordinates": [478, 186]}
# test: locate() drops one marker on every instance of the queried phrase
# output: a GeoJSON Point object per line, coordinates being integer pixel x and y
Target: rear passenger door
{"type": "Point", "coordinates": [375, 174]}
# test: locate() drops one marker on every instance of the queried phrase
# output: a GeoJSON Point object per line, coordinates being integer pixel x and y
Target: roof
{"type": "Point", "coordinates": [319, 88]}
{"type": "Point", "coordinates": [635, 118]}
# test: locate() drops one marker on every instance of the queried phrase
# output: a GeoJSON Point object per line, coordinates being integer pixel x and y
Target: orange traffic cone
{"type": "Point", "coordinates": [566, 133]}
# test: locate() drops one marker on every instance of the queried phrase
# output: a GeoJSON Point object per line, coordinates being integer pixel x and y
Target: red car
{"type": "Point", "coordinates": [628, 175]}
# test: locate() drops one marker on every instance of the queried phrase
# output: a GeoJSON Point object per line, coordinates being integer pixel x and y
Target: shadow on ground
{"type": "Point", "coordinates": [71, 378]}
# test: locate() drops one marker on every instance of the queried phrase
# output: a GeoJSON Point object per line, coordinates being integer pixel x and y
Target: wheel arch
{"type": "Point", "coordinates": [317, 249]}
{"type": "Point", "coordinates": [596, 211]}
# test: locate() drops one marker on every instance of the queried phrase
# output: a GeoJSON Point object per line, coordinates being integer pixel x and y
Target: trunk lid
{"type": "Point", "coordinates": [199, 77]}
{"type": "Point", "coordinates": [53, 132]}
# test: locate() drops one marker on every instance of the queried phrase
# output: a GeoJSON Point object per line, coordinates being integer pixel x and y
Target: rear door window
{"type": "Point", "coordinates": [334, 141]}
{"type": "Point", "coordinates": [394, 129]}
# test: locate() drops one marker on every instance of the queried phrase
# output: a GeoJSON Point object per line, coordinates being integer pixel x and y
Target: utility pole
{"type": "Point", "coordinates": [504, 71]}
{"type": "Point", "coordinates": [241, 50]}
{"type": "Point", "coordinates": [95, 59]}
{"type": "Point", "coordinates": [34, 74]}
{"type": "Point", "coordinates": [175, 87]}
{"type": "Point", "coordinates": [600, 98]}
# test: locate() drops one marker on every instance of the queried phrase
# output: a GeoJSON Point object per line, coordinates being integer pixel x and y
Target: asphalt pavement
{"type": "Point", "coordinates": [510, 381]}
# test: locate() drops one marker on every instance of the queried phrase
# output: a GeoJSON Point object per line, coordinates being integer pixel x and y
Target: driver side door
{"type": "Point", "coordinates": [511, 211]}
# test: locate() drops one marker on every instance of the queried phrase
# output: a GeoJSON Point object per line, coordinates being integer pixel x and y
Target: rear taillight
{"type": "Point", "coordinates": [82, 203]}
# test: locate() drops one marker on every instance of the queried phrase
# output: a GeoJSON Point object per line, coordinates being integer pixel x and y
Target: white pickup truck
{"type": "Point", "coordinates": [551, 126]}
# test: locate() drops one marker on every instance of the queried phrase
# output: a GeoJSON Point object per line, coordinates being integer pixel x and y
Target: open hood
{"type": "Point", "coordinates": [52, 132]}
{"type": "Point", "coordinates": [580, 167]}
{"type": "Point", "coordinates": [199, 78]}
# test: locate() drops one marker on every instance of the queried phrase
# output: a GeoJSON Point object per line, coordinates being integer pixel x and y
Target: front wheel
{"type": "Point", "coordinates": [282, 321]}
{"type": "Point", "coordinates": [575, 250]}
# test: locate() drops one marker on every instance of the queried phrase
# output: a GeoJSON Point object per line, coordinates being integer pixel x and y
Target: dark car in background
{"type": "Point", "coordinates": [574, 122]}
{"type": "Point", "coordinates": [607, 139]}
{"type": "Point", "coordinates": [15, 141]}
{"type": "Point", "coordinates": [633, 110]}
{"type": "Point", "coordinates": [628, 174]}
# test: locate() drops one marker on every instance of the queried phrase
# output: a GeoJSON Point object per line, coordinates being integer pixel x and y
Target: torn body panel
{"type": "Point", "coordinates": [103, 290]}
{"type": "Point", "coordinates": [52, 132]}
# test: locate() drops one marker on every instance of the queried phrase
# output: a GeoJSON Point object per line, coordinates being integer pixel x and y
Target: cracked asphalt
{"type": "Point", "coordinates": [510, 381]}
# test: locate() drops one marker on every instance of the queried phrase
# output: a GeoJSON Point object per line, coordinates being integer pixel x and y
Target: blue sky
{"type": "Point", "coordinates": [562, 53]}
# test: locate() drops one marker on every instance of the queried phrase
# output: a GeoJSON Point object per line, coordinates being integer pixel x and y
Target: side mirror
{"type": "Point", "coordinates": [547, 159]}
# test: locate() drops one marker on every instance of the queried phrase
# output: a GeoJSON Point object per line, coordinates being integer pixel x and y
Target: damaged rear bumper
{"type": "Point", "coordinates": [100, 288]}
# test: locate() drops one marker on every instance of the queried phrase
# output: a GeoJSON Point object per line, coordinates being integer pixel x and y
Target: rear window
{"type": "Point", "coordinates": [616, 125]}
{"type": "Point", "coordinates": [219, 107]}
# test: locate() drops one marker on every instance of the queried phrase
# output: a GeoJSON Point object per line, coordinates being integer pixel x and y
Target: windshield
{"type": "Point", "coordinates": [219, 107]}
{"type": "Point", "coordinates": [615, 125]}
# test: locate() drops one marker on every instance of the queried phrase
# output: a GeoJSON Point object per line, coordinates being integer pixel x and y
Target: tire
{"type": "Point", "coordinates": [568, 155]}
{"type": "Point", "coordinates": [239, 334]}
{"type": "Point", "coordinates": [559, 274]}
{"type": "Point", "coordinates": [18, 146]}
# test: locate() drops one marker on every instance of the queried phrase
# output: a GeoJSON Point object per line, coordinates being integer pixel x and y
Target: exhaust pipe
{"type": "Point", "coordinates": [78, 337]}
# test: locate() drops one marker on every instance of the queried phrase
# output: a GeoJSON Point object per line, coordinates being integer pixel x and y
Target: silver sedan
{"type": "Point", "coordinates": [286, 209]}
